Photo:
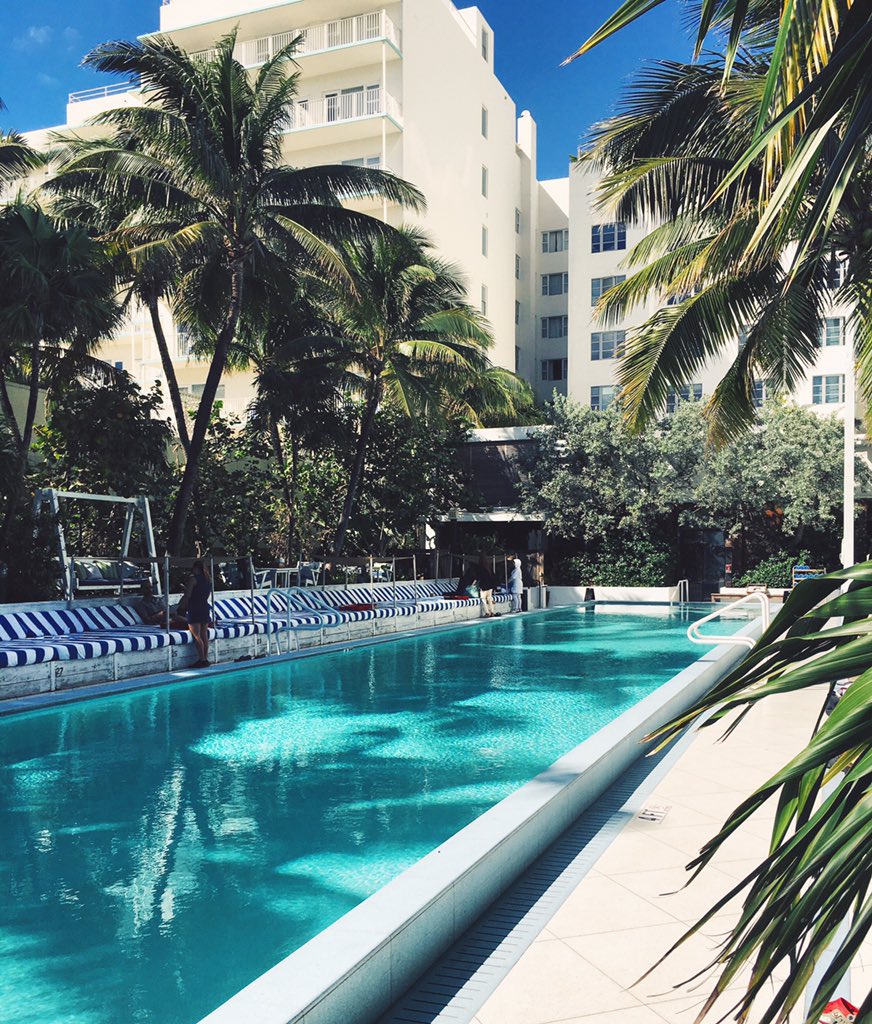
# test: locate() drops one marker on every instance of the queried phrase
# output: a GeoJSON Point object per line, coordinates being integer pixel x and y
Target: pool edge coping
{"type": "Point", "coordinates": [359, 966]}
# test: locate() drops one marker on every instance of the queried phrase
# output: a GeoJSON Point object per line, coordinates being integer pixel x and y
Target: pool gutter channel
{"type": "Point", "coordinates": [357, 968]}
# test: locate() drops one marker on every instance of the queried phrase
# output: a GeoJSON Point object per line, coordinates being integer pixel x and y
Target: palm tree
{"type": "Point", "coordinates": [16, 155]}
{"type": "Point", "coordinates": [201, 171]}
{"type": "Point", "coordinates": [411, 341]}
{"type": "Point", "coordinates": [812, 116]}
{"type": "Point", "coordinates": [57, 300]}
{"type": "Point", "coordinates": [817, 875]}
{"type": "Point", "coordinates": [665, 157]}
{"type": "Point", "coordinates": [300, 380]}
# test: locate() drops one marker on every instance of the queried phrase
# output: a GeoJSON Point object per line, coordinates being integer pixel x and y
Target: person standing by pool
{"type": "Point", "coordinates": [516, 583]}
{"type": "Point", "coordinates": [486, 584]}
{"type": "Point", "coordinates": [195, 605]}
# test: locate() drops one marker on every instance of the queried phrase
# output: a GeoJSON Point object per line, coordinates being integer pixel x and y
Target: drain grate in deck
{"type": "Point", "coordinates": [454, 989]}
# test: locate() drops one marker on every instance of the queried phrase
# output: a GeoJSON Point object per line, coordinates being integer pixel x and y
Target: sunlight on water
{"type": "Point", "coordinates": [161, 849]}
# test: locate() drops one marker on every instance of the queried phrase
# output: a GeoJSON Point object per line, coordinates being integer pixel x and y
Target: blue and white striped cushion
{"type": "Point", "coordinates": [13, 627]}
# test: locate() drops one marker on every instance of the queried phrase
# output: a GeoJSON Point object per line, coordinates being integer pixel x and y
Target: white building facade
{"type": "Point", "coordinates": [598, 260]}
{"type": "Point", "coordinates": [408, 86]}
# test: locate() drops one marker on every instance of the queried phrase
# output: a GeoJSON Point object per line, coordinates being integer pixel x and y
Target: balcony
{"type": "Point", "coordinates": [319, 39]}
{"type": "Point", "coordinates": [102, 91]}
{"type": "Point", "coordinates": [344, 116]}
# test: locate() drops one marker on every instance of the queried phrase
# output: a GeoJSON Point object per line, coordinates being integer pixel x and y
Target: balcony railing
{"type": "Point", "coordinates": [329, 35]}
{"type": "Point", "coordinates": [349, 105]}
{"type": "Point", "coordinates": [102, 90]}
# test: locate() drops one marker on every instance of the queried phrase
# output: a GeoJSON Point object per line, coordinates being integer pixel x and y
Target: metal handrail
{"type": "Point", "coordinates": [684, 591]}
{"type": "Point", "coordinates": [696, 637]}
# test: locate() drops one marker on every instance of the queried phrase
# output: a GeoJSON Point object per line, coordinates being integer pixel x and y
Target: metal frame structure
{"type": "Point", "coordinates": [51, 498]}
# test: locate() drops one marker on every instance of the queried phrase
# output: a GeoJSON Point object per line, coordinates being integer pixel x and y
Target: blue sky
{"type": "Point", "coordinates": [43, 42]}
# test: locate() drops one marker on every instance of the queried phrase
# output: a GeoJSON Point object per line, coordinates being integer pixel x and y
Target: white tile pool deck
{"type": "Point", "coordinates": [616, 924]}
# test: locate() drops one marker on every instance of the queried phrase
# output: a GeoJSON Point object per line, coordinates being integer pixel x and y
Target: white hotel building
{"type": "Point", "coordinates": [410, 86]}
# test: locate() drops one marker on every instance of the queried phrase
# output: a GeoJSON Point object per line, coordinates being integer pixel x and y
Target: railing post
{"type": "Point", "coordinates": [167, 611]}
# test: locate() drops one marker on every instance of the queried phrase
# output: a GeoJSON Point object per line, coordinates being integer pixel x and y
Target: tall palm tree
{"type": "Point", "coordinates": [201, 169]}
{"type": "Point", "coordinates": [17, 157]}
{"type": "Point", "coordinates": [410, 339]}
{"type": "Point", "coordinates": [57, 299]}
{"type": "Point", "coordinates": [300, 381]}
{"type": "Point", "coordinates": [665, 157]}
{"type": "Point", "coordinates": [812, 117]}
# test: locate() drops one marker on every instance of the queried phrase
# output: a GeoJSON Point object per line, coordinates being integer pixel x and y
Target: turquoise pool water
{"type": "Point", "coordinates": [160, 849]}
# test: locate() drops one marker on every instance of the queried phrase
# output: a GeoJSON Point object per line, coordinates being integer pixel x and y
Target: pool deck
{"type": "Point", "coordinates": [616, 923]}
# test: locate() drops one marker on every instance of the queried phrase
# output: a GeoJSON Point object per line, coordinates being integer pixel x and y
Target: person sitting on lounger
{"type": "Point", "coordinates": [152, 611]}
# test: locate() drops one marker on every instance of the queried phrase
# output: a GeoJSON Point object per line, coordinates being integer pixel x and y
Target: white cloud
{"type": "Point", "coordinates": [71, 36]}
{"type": "Point", "coordinates": [34, 36]}
{"type": "Point", "coordinates": [45, 79]}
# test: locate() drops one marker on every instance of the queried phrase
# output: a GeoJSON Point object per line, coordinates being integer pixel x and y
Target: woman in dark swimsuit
{"type": "Point", "coordinates": [195, 604]}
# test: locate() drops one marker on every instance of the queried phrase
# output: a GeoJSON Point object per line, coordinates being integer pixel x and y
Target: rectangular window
{"type": "Point", "coordinates": [119, 366]}
{"type": "Point", "coordinates": [517, 221]}
{"type": "Point", "coordinates": [836, 274]}
{"type": "Point", "coordinates": [607, 344]}
{"type": "Point", "coordinates": [553, 369]}
{"type": "Point", "coordinates": [484, 181]}
{"type": "Point", "coordinates": [517, 359]}
{"type": "Point", "coordinates": [828, 389]}
{"type": "Point", "coordinates": [485, 44]}
{"type": "Point", "coordinates": [608, 237]}
{"type": "Point", "coordinates": [555, 241]}
{"type": "Point", "coordinates": [483, 240]}
{"type": "Point", "coordinates": [363, 161]}
{"type": "Point", "coordinates": [518, 268]}
{"type": "Point", "coordinates": [517, 313]}
{"type": "Point", "coordinates": [600, 285]}
{"type": "Point", "coordinates": [602, 397]}
{"type": "Point", "coordinates": [555, 326]}
{"type": "Point", "coordinates": [687, 393]}
{"type": "Point", "coordinates": [484, 300]}
{"type": "Point", "coordinates": [484, 122]}
{"type": "Point", "coordinates": [833, 331]}
{"type": "Point", "coordinates": [555, 284]}
{"type": "Point", "coordinates": [758, 393]}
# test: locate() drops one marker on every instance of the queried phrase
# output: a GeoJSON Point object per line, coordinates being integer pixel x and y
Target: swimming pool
{"type": "Point", "coordinates": [160, 849]}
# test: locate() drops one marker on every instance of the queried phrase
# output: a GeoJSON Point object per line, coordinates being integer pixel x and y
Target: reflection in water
{"type": "Point", "coordinates": [160, 850]}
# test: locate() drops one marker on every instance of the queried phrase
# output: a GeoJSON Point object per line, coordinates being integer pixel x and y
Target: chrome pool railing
{"type": "Point", "coordinates": [286, 628]}
{"type": "Point", "coordinates": [696, 637]}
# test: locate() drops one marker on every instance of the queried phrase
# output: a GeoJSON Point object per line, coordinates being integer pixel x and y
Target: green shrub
{"type": "Point", "coordinates": [639, 564]}
{"type": "Point", "coordinates": [773, 572]}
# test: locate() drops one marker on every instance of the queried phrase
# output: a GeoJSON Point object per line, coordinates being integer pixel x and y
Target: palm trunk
{"type": "Point", "coordinates": [26, 436]}
{"type": "Point", "coordinates": [176, 533]}
{"type": "Point", "coordinates": [276, 439]}
{"type": "Point", "coordinates": [9, 413]}
{"type": "Point", "coordinates": [357, 469]}
{"type": "Point", "coordinates": [169, 372]}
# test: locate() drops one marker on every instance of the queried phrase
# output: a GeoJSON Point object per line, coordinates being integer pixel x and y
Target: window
{"type": "Point", "coordinates": [833, 331]}
{"type": "Point", "coordinates": [184, 341]}
{"type": "Point", "coordinates": [363, 161]}
{"type": "Point", "coordinates": [608, 237]}
{"type": "Point", "coordinates": [758, 393]}
{"type": "Point", "coordinates": [687, 393]}
{"type": "Point", "coordinates": [485, 44]}
{"type": "Point", "coordinates": [517, 313]}
{"type": "Point", "coordinates": [484, 121]}
{"type": "Point", "coordinates": [836, 274]}
{"type": "Point", "coordinates": [484, 181]}
{"type": "Point", "coordinates": [607, 344]}
{"type": "Point", "coordinates": [483, 240]}
{"type": "Point", "coordinates": [601, 398]}
{"type": "Point", "coordinates": [555, 326]}
{"type": "Point", "coordinates": [119, 365]}
{"type": "Point", "coordinates": [555, 241]}
{"type": "Point", "coordinates": [553, 369]}
{"type": "Point", "coordinates": [517, 359]}
{"type": "Point", "coordinates": [517, 221]}
{"type": "Point", "coordinates": [828, 390]}
{"type": "Point", "coordinates": [517, 267]}
{"type": "Point", "coordinates": [484, 300]}
{"type": "Point", "coordinates": [600, 285]}
{"type": "Point", "coordinates": [555, 284]}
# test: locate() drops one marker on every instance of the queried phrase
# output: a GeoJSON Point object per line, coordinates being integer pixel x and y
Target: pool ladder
{"type": "Point", "coordinates": [696, 637]}
{"type": "Point", "coordinates": [286, 628]}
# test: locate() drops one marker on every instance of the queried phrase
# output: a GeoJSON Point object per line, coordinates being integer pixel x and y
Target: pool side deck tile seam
{"type": "Point", "coordinates": [578, 849]}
